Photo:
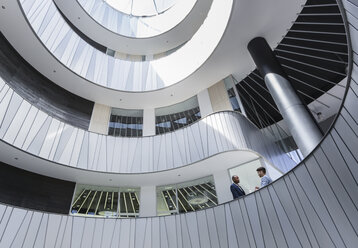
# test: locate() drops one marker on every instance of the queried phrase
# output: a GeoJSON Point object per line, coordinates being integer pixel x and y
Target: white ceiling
{"type": "Point", "coordinates": [143, 46]}
{"type": "Point", "coordinates": [249, 19]}
{"type": "Point", "coordinates": [197, 170]}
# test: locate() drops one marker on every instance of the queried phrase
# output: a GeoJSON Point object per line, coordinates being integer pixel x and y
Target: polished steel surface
{"type": "Point", "coordinates": [301, 124]}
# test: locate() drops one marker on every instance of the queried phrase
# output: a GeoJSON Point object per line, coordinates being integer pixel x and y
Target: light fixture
{"type": "Point", "coordinates": [3, 7]}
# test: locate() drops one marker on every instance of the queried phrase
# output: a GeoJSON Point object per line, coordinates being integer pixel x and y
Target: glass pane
{"type": "Point", "coordinates": [166, 200]}
{"type": "Point", "coordinates": [186, 197]}
{"type": "Point", "coordinates": [176, 116]}
{"type": "Point", "coordinates": [126, 123]}
{"type": "Point", "coordinates": [95, 201]}
{"type": "Point", "coordinates": [129, 202]}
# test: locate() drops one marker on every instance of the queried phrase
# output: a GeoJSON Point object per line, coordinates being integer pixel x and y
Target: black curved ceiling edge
{"type": "Point", "coordinates": [40, 91]}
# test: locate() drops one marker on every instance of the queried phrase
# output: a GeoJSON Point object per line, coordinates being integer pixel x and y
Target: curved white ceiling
{"type": "Point", "coordinates": [114, 73]}
{"type": "Point", "coordinates": [248, 20]}
{"type": "Point", "coordinates": [194, 171]}
{"type": "Point", "coordinates": [107, 27]}
{"type": "Point", "coordinates": [137, 26]}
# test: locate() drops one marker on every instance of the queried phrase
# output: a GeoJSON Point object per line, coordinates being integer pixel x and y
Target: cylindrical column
{"type": "Point", "coordinates": [299, 120]}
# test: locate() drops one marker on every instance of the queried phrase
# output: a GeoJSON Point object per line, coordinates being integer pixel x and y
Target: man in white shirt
{"type": "Point", "coordinates": [265, 180]}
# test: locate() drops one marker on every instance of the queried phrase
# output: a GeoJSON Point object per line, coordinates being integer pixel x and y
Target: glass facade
{"type": "Point", "coordinates": [126, 123]}
{"type": "Point", "coordinates": [109, 202]}
{"type": "Point", "coordinates": [186, 197]}
{"type": "Point", "coordinates": [176, 116]}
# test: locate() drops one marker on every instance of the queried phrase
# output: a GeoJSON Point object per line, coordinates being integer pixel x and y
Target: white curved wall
{"type": "Point", "coordinates": [314, 205]}
{"type": "Point", "coordinates": [104, 24]}
{"type": "Point", "coordinates": [136, 26]}
{"type": "Point", "coordinates": [32, 130]}
{"type": "Point", "coordinates": [99, 68]}
{"type": "Point", "coordinates": [246, 22]}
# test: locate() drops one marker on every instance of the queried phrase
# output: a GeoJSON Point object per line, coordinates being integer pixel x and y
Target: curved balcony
{"type": "Point", "coordinates": [193, 58]}
{"type": "Point", "coordinates": [91, 64]}
{"type": "Point", "coordinates": [28, 128]}
{"type": "Point", "coordinates": [136, 26]}
{"type": "Point", "coordinates": [133, 34]}
{"type": "Point", "coordinates": [313, 205]}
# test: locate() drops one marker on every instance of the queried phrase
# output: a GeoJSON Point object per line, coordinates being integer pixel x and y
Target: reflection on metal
{"type": "Point", "coordinates": [301, 124]}
{"type": "Point", "coordinates": [187, 198]}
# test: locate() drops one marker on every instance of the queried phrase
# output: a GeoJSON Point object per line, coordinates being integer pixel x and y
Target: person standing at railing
{"type": "Point", "coordinates": [235, 188]}
{"type": "Point", "coordinates": [265, 179]}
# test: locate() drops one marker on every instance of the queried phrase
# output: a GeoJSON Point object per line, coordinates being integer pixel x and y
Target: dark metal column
{"type": "Point", "coordinates": [300, 122]}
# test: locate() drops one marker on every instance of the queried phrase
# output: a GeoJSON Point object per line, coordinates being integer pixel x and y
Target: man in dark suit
{"type": "Point", "coordinates": [235, 188]}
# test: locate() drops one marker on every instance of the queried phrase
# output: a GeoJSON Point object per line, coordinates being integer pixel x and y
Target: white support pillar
{"type": "Point", "coordinates": [222, 185]}
{"type": "Point", "coordinates": [148, 122]}
{"type": "Point", "coordinates": [204, 103]}
{"type": "Point", "coordinates": [148, 201]}
{"type": "Point", "coordinates": [100, 119]}
{"type": "Point", "coordinates": [219, 97]}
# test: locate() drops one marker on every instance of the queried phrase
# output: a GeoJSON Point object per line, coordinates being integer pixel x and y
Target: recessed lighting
{"type": "Point", "coordinates": [54, 71]}
{"type": "Point", "coordinates": [3, 7]}
{"type": "Point", "coordinates": [179, 175]}
{"type": "Point", "coordinates": [120, 100]}
{"type": "Point", "coordinates": [78, 18]}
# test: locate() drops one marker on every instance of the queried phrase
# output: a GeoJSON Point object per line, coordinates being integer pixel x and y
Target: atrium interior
{"type": "Point", "coordinates": [179, 123]}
